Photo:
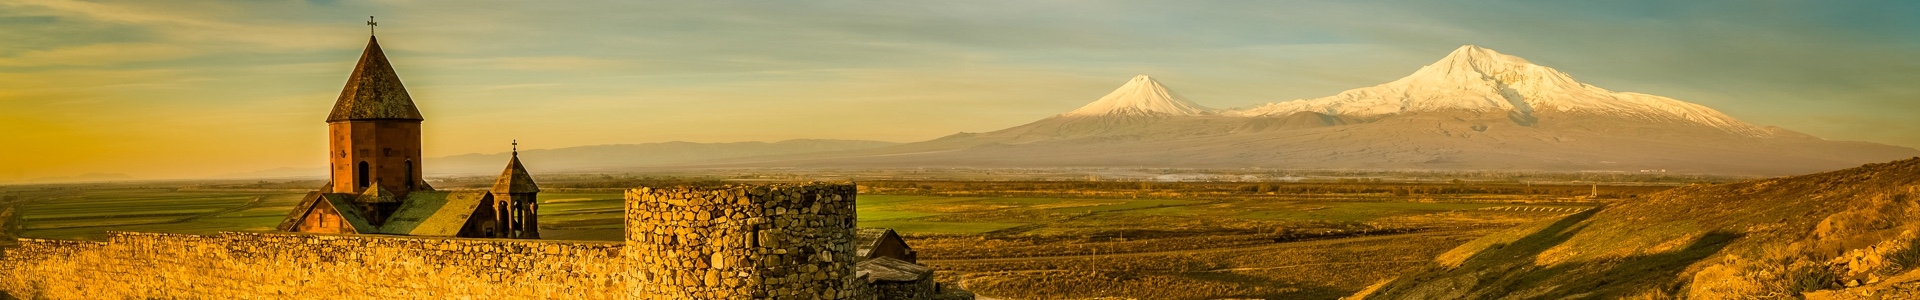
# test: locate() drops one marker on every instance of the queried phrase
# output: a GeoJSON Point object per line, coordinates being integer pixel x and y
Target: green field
{"type": "Point", "coordinates": [90, 214]}
{"type": "Point", "coordinates": [971, 215]}
{"type": "Point", "coordinates": [1051, 216]}
{"type": "Point", "coordinates": [1026, 243]}
{"type": "Point", "coordinates": [1355, 211]}
{"type": "Point", "coordinates": [597, 215]}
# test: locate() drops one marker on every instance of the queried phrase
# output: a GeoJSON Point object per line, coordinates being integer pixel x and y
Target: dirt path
{"type": "Point", "coordinates": [1321, 264]}
{"type": "Point", "coordinates": [966, 280]}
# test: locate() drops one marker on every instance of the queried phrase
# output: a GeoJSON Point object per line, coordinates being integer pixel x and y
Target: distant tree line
{"type": "Point", "coordinates": [1242, 188]}
{"type": "Point", "coordinates": [588, 181]}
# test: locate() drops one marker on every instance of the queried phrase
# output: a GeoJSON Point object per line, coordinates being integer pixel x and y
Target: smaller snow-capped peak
{"type": "Point", "coordinates": [1141, 96]}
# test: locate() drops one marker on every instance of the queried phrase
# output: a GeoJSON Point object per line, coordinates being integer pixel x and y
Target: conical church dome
{"type": "Point", "coordinates": [374, 91]}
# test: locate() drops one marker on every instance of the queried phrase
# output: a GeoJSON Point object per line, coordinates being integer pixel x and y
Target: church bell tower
{"type": "Point", "coordinates": [516, 201]}
{"type": "Point", "coordinates": [373, 137]}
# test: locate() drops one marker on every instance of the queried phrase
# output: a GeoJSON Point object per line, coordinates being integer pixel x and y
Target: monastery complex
{"type": "Point", "coordinates": [378, 230]}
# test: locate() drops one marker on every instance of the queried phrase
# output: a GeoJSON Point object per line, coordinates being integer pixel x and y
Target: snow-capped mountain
{"type": "Point", "coordinates": [1141, 96]}
{"type": "Point", "coordinates": [1478, 79]}
{"type": "Point", "coordinates": [1475, 109]}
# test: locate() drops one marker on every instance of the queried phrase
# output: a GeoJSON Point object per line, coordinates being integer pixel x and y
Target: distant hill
{"type": "Point", "coordinates": [1816, 236]}
{"type": "Point", "coordinates": [610, 157]}
{"type": "Point", "coordinates": [281, 173]}
{"type": "Point", "coordinates": [89, 177]}
{"type": "Point", "coordinates": [1474, 109]}
{"type": "Point", "coordinates": [599, 157]}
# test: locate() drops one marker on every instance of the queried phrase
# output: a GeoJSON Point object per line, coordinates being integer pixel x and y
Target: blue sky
{"type": "Point", "coordinates": [195, 88]}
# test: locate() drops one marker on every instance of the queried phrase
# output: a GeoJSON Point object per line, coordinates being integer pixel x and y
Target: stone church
{"type": "Point", "coordinates": [376, 188]}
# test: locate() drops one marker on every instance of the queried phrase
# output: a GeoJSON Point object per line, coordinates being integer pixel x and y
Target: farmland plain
{"type": "Point", "coordinates": [1033, 240]}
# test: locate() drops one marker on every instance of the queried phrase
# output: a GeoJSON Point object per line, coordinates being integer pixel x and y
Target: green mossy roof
{"type": "Point", "coordinates": [433, 213]}
{"type": "Point", "coordinates": [343, 203]}
{"type": "Point", "coordinates": [374, 194]}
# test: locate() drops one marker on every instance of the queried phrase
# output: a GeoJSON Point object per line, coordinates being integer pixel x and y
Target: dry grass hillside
{"type": "Point", "coordinates": [1843, 234]}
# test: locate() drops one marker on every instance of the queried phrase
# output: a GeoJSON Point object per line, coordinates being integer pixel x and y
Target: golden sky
{"type": "Point", "coordinates": [179, 89]}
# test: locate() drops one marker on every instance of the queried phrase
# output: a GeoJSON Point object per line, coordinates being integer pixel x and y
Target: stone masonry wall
{"type": "Point", "coordinates": [776, 241]}
{"type": "Point", "coordinates": [285, 266]}
{"type": "Point", "coordinates": [924, 288]}
{"type": "Point", "coordinates": [772, 241]}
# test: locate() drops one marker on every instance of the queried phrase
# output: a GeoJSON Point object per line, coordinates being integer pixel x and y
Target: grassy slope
{"type": "Point", "coordinates": [1770, 238]}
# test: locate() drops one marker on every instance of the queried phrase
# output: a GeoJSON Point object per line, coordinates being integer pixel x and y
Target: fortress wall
{"type": "Point", "coordinates": [282, 266]}
{"type": "Point", "coordinates": [782, 241]}
{"type": "Point", "coordinates": [924, 288]}
{"type": "Point", "coordinates": [786, 241]}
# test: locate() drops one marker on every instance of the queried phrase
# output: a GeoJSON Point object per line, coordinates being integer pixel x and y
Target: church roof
{"type": "Point", "coordinates": [890, 269]}
{"type": "Point", "coordinates": [865, 239]}
{"type": "Point", "coordinates": [340, 203]}
{"type": "Point", "coordinates": [374, 194]}
{"type": "Point", "coordinates": [373, 91]}
{"type": "Point", "coordinates": [515, 179]}
{"type": "Point", "coordinates": [343, 204]}
{"type": "Point", "coordinates": [425, 213]}
{"type": "Point", "coordinates": [432, 213]}
{"type": "Point", "coordinates": [300, 210]}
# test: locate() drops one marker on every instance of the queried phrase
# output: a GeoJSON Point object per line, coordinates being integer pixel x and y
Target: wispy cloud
{"type": "Point", "coordinates": [97, 55]}
{"type": "Point", "coordinates": [521, 86]}
{"type": "Point", "coordinates": [249, 23]}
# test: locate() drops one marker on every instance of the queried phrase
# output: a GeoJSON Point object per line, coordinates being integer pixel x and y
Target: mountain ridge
{"type": "Point", "coordinates": [1475, 109]}
{"type": "Point", "coordinates": [1481, 79]}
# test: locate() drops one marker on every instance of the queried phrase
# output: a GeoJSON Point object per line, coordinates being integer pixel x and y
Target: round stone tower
{"type": "Point", "coordinates": [786, 241]}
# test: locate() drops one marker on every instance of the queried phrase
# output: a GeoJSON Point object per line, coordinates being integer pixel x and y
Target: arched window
{"type": "Point", "coordinates": [361, 177]}
{"type": "Point", "coordinates": [410, 178]}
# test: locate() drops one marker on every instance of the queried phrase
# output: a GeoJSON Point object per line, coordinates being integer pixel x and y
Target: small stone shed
{"type": "Point", "coordinates": [873, 243]}
{"type": "Point", "coordinates": [897, 279]}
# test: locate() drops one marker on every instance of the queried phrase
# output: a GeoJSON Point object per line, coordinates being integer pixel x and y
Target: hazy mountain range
{"type": "Point", "coordinates": [1474, 109]}
{"type": "Point", "coordinates": [88, 177]}
{"type": "Point", "coordinates": [602, 157]}
{"type": "Point", "coordinates": [607, 157]}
